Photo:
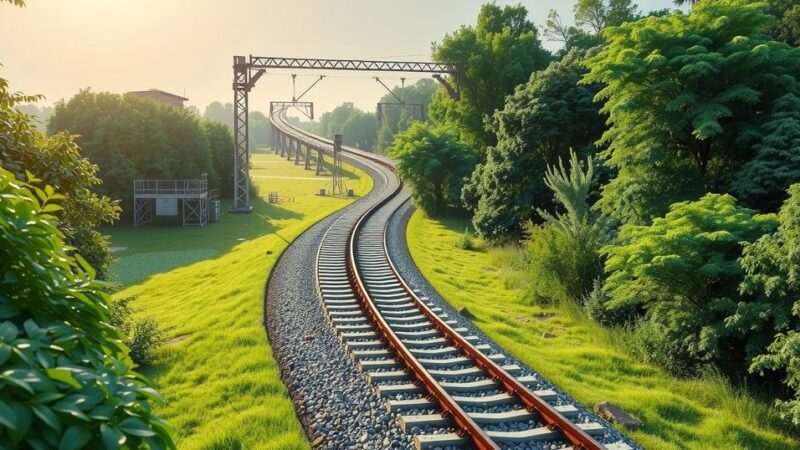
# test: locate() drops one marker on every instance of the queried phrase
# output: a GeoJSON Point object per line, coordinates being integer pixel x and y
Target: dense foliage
{"type": "Point", "coordinates": [686, 95]}
{"type": "Point", "coordinates": [434, 163]}
{"type": "Point", "coordinates": [358, 128]}
{"type": "Point", "coordinates": [684, 271]}
{"type": "Point", "coordinates": [57, 161]}
{"type": "Point", "coordinates": [498, 53]}
{"type": "Point", "coordinates": [770, 319]}
{"type": "Point", "coordinates": [398, 118]}
{"type": "Point", "coordinates": [129, 137]}
{"type": "Point", "coordinates": [776, 162]}
{"type": "Point", "coordinates": [564, 252]}
{"type": "Point", "coordinates": [257, 124]}
{"type": "Point", "coordinates": [540, 122]}
{"type": "Point", "coordinates": [67, 381]}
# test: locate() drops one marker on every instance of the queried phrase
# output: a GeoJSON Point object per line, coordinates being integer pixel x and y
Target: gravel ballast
{"type": "Point", "coordinates": [334, 402]}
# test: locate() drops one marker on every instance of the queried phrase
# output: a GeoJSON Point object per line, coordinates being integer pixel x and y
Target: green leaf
{"type": "Point", "coordinates": [7, 416]}
{"type": "Point", "coordinates": [64, 376]}
{"type": "Point", "coordinates": [47, 416]}
{"type": "Point", "coordinates": [112, 437]}
{"type": "Point", "coordinates": [74, 438]}
{"type": "Point", "coordinates": [135, 427]}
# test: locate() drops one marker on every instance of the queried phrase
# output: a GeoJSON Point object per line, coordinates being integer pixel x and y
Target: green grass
{"type": "Point", "coordinates": [221, 383]}
{"type": "Point", "coordinates": [587, 361]}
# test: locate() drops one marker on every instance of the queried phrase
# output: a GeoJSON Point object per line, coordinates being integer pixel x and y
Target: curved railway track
{"type": "Point", "coordinates": [448, 388]}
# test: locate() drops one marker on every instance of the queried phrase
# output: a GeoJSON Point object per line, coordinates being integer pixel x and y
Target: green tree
{"type": "Point", "coordinates": [129, 137]}
{"type": "Point", "coordinates": [220, 144]}
{"type": "Point", "coordinates": [357, 127]}
{"type": "Point", "coordinates": [434, 163]}
{"type": "Point", "coordinates": [685, 96]}
{"type": "Point", "coordinates": [57, 161]}
{"type": "Point", "coordinates": [762, 181]}
{"type": "Point", "coordinates": [538, 125]}
{"type": "Point", "coordinates": [786, 26]}
{"type": "Point", "coordinates": [222, 113]}
{"type": "Point", "coordinates": [497, 54]}
{"type": "Point", "coordinates": [591, 17]}
{"type": "Point", "coordinates": [684, 270]}
{"type": "Point", "coordinates": [771, 320]}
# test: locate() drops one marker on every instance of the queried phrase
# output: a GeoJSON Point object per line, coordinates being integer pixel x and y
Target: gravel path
{"type": "Point", "coordinates": [335, 404]}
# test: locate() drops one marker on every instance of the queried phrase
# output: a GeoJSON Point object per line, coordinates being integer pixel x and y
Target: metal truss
{"type": "Point", "coordinates": [307, 108]}
{"type": "Point", "coordinates": [247, 71]}
{"type": "Point", "coordinates": [417, 110]}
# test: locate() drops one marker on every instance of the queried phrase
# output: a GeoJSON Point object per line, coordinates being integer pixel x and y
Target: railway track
{"type": "Point", "coordinates": [447, 387]}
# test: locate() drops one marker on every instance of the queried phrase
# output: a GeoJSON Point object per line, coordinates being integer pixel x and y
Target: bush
{"type": "Point", "coordinates": [144, 335]}
{"type": "Point", "coordinates": [565, 251]}
{"type": "Point", "coordinates": [465, 241]}
{"type": "Point", "coordinates": [595, 305]}
{"type": "Point", "coordinates": [661, 342]}
{"type": "Point", "coordinates": [67, 379]}
{"type": "Point", "coordinates": [684, 270]}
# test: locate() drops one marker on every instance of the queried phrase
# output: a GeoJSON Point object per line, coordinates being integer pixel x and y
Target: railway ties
{"type": "Point", "coordinates": [446, 386]}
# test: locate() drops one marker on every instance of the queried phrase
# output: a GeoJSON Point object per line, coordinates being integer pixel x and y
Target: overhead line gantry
{"type": "Point", "coordinates": [247, 70]}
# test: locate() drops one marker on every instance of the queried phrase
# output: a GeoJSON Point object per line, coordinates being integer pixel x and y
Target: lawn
{"type": "Point", "coordinates": [587, 361]}
{"type": "Point", "coordinates": [217, 373]}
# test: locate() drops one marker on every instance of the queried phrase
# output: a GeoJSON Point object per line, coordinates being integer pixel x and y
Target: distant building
{"type": "Point", "coordinates": [161, 96]}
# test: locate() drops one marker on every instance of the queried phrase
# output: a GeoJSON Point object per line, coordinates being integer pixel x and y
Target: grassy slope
{"type": "Point", "coordinates": [218, 375]}
{"type": "Point", "coordinates": [588, 362]}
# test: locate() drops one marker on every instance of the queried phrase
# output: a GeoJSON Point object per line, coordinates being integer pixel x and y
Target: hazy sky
{"type": "Point", "coordinates": [55, 47]}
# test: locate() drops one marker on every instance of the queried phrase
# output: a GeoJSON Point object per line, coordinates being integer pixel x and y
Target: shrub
{"type": "Point", "coordinates": [67, 381]}
{"type": "Point", "coordinates": [770, 321]}
{"type": "Point", "coordinates": [144, 335]}
{"type": "Point", "coordinates": [565, 251]}
{"type": "Point", "coordinates": [660, 340]}
{"type": "Point", "coordinates": [684, 270]}
{"type": "Point", "coordinates": [465, 241]}
{"type": "Point", "coordinates": [595, 305]}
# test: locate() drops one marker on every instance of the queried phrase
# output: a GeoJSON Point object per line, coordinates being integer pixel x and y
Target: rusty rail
{"type": "Point", "coordinates": [465, 425]}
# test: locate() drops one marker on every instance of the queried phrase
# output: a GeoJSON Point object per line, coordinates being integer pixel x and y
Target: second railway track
{"type": "Point", "coordinates": [447, 386]}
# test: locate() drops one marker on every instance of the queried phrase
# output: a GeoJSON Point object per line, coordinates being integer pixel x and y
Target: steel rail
{"type": "Point", "coordinates": [553, 419]}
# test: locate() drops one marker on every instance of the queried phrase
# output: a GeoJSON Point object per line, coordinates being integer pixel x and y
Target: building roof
{"type": "Point", "coordinates": [159, 91]}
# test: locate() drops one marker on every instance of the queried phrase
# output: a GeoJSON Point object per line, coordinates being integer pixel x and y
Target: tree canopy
{"type": "Point", "coordinates": [129, 137]}
{"type": "Point", "coordinates": [498, 53]}
{"type": "Point", "coordinates": [357, 127]}
{"type": "Point", "coordinates": [539, 124]}
{"type": "Point", "coordinates": [435, 163]}
{"type": "Point", "coordinates": [686, 95]}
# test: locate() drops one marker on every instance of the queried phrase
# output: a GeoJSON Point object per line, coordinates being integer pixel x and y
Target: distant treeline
{"type": "Point", "coordinates": [129, 138]}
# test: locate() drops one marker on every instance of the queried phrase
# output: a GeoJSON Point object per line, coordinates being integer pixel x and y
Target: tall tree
{"type": "Point", "coordinates": [538, 125]}
{"type": "Point", "coordinates": [763, 181]}
{"type": "Point", "coordinates": [591, 18]}
{"type": "Point", "coordinates": [685, 96]}
{"type": "Point", "coordinates": [357, 127]}
{"type": "Point", "coordinates": [499, 53]}
{"type": "Point", "coordinates": [129, 137]}
{"type": "Point", "coordinates": [434, 163]}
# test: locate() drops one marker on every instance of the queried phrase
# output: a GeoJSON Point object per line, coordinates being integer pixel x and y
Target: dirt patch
{"type": "Point", "coordinates": [178, 338]}
{"type": "Point", "coordinates": [543, 316]}
{"type": "Point", "coordinates": [523, 319]}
